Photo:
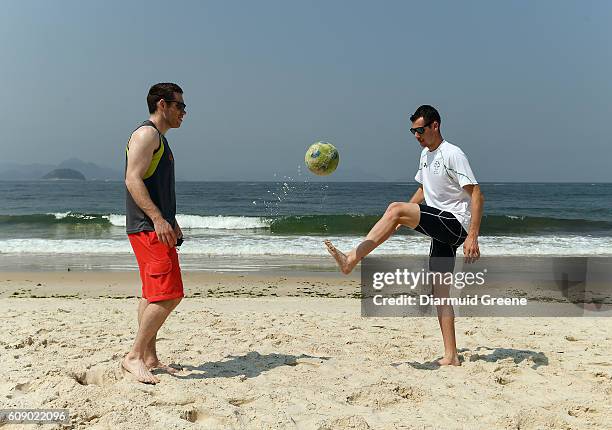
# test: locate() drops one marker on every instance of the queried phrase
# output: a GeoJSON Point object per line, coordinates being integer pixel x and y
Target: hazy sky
{"type": "Point", "coordinates": [523, 87]}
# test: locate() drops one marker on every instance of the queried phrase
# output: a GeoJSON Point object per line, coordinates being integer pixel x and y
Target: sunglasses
{"type": "Point", "coordinates": [180, 105]}
{"type": "Point", "coordinates": [420, 130]}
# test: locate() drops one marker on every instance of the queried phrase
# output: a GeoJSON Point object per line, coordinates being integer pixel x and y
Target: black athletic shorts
{"type": "Point", "coordinates": [446, 233]}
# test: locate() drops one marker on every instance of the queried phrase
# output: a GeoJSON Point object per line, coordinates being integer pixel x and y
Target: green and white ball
{"type": "Point", "coordinates": [322, 158]}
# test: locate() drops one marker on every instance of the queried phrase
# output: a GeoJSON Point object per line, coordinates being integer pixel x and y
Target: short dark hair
{"type": "Point", "coordinates": [163, 90]}
{"type": "Point", "coordinates": [429, 114]}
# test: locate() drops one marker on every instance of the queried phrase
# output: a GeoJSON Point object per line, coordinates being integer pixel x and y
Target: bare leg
{"type": "Point", "coordinates": [446, 319]}
{"type": "Point", "coordinates": [152, 318]}
{"type": "Point", "coordinates": [408, 214]}
{"type": "Point", "coordinates": [153, 362]}
{"type": "Point", "coordinates": [150, 357]}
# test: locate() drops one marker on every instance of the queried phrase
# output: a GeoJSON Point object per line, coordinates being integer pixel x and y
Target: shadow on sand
{"type": "Point", "coordinates": [250, 365]}
{"type": "Point", "coordinates": [490, 355]}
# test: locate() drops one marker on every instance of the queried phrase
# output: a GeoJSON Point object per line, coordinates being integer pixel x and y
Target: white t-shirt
{"type": "Point", "coordinates": [443, 173]}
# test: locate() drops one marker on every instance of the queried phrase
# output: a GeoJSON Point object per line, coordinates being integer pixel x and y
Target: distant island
{"type": "Point", "coordinates": [34, 172]}
{"type": "Point", "coordinates": [65, 174]}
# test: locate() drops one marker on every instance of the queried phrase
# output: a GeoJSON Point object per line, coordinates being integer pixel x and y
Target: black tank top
{"type": "Point", "coordinates": [159, 180]}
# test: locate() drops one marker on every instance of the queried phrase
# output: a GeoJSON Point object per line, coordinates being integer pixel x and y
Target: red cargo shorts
{"type": "Point", "coordinates": [159, 267]}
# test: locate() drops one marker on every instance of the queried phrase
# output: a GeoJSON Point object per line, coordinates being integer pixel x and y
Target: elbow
{"type": "Point", "coordinates": [477, 196]}
{"type": "Point", "coordinates": [129, 182]}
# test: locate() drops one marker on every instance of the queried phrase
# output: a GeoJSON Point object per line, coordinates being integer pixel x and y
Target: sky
{"type": "Point", "coordinates": [523, 87]}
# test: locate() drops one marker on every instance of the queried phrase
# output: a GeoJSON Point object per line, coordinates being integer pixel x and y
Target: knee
{"type": "Point", "coordinates": [174, 302]}
{"type": "Point", "coordinates": [394, 211]}
{"type": "Point", "coordinates": [393, 206]}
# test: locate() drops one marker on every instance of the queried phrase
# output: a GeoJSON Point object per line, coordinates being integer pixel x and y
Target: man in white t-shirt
{"type": "Point", "coordinates": [451, 215]}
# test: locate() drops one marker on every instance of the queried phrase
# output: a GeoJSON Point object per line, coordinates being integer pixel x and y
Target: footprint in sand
{"type": "Point", "coordinates": [100, 376]}
{"type": "Point", "coordinates": [204, 419]}
{"type": "Point", "coordinates": [19, 390]}
{"type": "Point", "coordinates": [241, 402]}
{"type": "Point", "coordinates": [580, 410]}
{"type": "Point", "coordinates": [382, 395]}
{"type": "Point", "coordinates": [353, 422]}
{"type": "Point", "coordinates": [189, 414]}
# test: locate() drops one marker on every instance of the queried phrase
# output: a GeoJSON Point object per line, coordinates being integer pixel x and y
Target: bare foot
{"type": "Point", "coordinates": [453, 361]}
{"type": "Point", "coordinates": [339, 256]}
{"type": "Point", "coordinates": [158, 365]}
{"type": "Point", "coordinates": [139, 370]}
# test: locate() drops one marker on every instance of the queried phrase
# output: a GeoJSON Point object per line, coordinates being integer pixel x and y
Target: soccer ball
{"type": "Point", "coordinates": [322, 158]}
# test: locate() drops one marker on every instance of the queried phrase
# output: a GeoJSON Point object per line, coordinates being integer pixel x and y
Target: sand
{"type": "Point", "coordinates": [303, 360]}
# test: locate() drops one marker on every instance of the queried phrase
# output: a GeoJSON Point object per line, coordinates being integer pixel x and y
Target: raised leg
{"type": "Point", "coordinates": [398, 213]}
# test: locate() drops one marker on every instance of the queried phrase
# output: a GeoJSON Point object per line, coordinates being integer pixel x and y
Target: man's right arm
{"type": "Point", "coordinates": [418, 196]}
{"type": "Point", "coordinates": [142, 145]}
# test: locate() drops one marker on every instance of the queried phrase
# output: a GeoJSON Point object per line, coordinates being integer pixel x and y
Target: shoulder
{"type": "Point", "coordinates": [146, 132]}
{"type": "Point", "coordinates": [145, 136]}
{"type": "Point", "coordinates": [452, 150]}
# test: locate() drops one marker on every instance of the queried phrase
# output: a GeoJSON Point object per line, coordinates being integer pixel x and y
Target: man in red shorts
{"type": "Point", "coordinates": [151, 225]}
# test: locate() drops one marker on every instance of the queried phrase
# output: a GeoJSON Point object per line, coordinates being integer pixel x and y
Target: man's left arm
{"type": "Point", "coordinates": [471, 251]}
{"type": "Point", "coordinates": [178, 231]}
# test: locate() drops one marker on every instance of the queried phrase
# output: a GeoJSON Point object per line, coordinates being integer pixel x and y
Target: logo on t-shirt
{"type": "Point", "coordinates": [436, 167]}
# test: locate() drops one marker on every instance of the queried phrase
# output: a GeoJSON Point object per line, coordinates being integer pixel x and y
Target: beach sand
{"type": "Point", "coordinates": [305, 359]}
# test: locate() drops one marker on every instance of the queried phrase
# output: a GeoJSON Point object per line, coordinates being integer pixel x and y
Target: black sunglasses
{"type": "Point", "coordinates": [420, 130]}
{"type": "Point", "coordinates": [180, 105]}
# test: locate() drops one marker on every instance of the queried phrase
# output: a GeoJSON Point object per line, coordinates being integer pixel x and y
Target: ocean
{"type": "Point", "coordinates": [241, 226]}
